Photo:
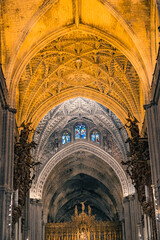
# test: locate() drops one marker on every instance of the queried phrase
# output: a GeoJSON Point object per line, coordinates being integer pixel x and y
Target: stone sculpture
{"type": "Point", "coordinates": [138, 168]}
{"type": "Point", "coordinates": [23, 163]}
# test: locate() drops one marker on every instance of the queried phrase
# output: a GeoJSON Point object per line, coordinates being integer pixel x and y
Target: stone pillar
{"type": "Point", "coordinates": [127, 218]}
{"type": "Point", "coordinates": [153, 127]}
{"type": "Point", "coordinates": [7, 120]}
{"type": "Point", "coordinates": [132, 216]}
{"type": "Point", "coordinates": [35, 220]}
{"type": "Point", "coordinates": [123, 229]}
{"type": "Point", "coordinates": [44, 223]}
{"type": "Point", "coordinates": [26, 216]}
{"type": "Point", "coordinates": [146, 233]}
{"type": "Point", "coordinates": [6, 171]}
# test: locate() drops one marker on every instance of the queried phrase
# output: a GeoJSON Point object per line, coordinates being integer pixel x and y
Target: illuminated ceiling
{"type": "Point", "coordinates": [55, 50]}
{"type": "Point", "coordinates": [78, 62]}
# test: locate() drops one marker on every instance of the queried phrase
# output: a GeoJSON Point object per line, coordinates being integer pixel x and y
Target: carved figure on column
{"type": "Point", "coordinates": [23, 163]}
{"type": "Point", "coordinates": [138, 168]}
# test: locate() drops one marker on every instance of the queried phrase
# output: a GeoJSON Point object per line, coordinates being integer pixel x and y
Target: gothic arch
{"type": "Point", "coordinates": [37, 188]}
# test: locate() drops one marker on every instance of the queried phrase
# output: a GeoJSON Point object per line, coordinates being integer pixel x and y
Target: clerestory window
{"type": "Point", "coordinates": [95, 136]}
{"type": "Point", "coordinates": [66, 137]}
{"type": "Point", "coordinates": [80, 131]}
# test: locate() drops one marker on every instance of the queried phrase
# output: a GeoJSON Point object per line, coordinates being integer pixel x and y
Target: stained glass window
{"type": "Point", "coordinates": [95, 136]}
{"type": "Point", "coordinates": [80, 131]}
{"type": "Point", "coordinates": [65, 137]}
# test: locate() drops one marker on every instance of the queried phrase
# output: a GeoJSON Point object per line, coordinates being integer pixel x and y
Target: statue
{"type": "Point", "coordinates": [83, 206]}
{"type": "Point", "coordinates": [89, 210]}
{"type": "Point", "coordinates": [76, 211]}
{"type": "Point", "coordinates": [83, 235]}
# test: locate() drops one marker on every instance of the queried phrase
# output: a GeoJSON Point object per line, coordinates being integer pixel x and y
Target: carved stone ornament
{"type": "Point", "coordinates": [23, 163]}
{"type": "Point", "coordinates": [139, 170]}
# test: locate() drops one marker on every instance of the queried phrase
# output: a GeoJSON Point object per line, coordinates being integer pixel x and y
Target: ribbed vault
{"type": "Point", "coordinates": [27, 24]}
{"type": "Point", "coordinates": [70, 61]}
{"type": "Point", "coordinates": [83, 62]}
{"type": "Point", "coordinates": [56, 50]}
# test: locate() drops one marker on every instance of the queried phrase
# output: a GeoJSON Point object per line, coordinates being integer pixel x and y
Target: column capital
{"type": "Point", "coordinates": [10, 109]}
{"type": "Point", "coordinates": [35, 201]}
{"type": "Point", "coordinates": [132, 197]}
{"type": "Point", "coordinates": [128, 198]}
{"type": "Point", "coordinates": [149, 105]}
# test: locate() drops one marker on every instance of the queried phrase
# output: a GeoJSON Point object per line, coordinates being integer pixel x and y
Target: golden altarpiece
{"type": "Point", "coordinates": [84, 227]}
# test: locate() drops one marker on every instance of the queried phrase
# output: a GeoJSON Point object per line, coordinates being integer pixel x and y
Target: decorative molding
{"type": "Point", "coordinates": [37, 188]}
{"type": "Point", "coordinates": [149, 105]}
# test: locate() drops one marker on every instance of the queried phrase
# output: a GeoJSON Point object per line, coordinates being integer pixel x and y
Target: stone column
{"type": "Point", "coordinates": [132, 216]}
{"type": "Point", "coordinates": [6, 170]}
{"type": "Point", "coordinates": [44, 224]}
{"type": "Point", "coordinates": [26, 216]}
{"type": "Point", "coordinates": [35, 219]}
{"type": "Point", "coordinates": [153, 127]}
{"type": "Point", "coordinates": [133, 211]}
{"type": "Point", "coordinates": [127, 218]}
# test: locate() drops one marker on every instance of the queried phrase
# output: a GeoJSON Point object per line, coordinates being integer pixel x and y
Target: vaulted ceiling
{"type": "Point", "coordinates": [55, 50]}
{"type": "Point", "coordinates": [84, 177]}
{"type": "Point", "coordinates": [78, 62]}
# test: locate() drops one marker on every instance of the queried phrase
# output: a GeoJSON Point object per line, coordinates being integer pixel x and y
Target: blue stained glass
{"type": "Point", "coordinates": [77, 132]}
{"type": "Point", "coordinates": [65, 138]}
{"type": "Point", "coordinates": [80, 131]}
{"type": "Point", "coordinates": [95, 136]}
{"type": "Point", "coordinates": [83, 132]}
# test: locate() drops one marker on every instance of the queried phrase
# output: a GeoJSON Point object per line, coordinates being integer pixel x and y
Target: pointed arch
{"type": "Point", "coordinates": [37, 188]}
